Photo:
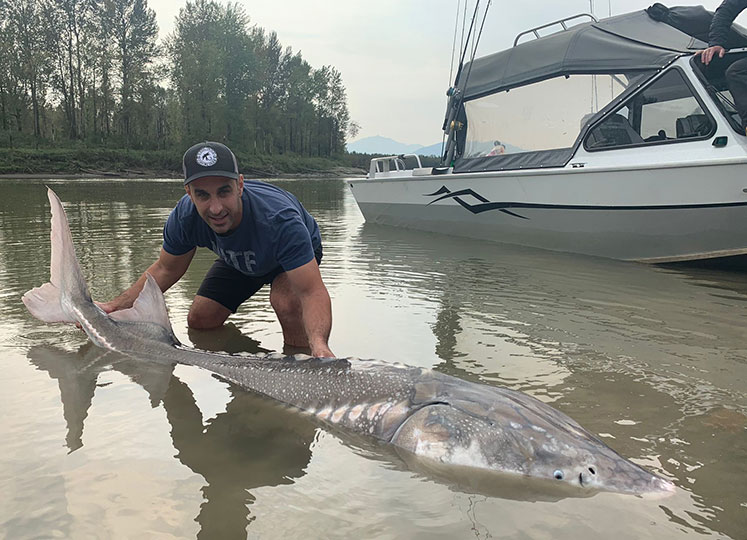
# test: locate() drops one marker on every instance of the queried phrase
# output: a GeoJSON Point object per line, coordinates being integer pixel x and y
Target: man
{"type": "Point", "coordinates": [497, 149]}
{"type": "Point", "coordinates": [736, 74]}
{"type": "Point", "coordinates": [261, 234]}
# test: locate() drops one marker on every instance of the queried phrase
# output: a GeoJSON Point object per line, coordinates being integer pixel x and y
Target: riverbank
{"type": "Point", "coordinates": [121, 163]}
{"type": "Point", "coordinates": [148, 173]}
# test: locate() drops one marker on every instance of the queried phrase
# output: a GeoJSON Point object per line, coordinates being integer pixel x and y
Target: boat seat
{"type": "Point", "coordinates": [615, 130]}
{"type": "Point", "coordinates": [694, 125]}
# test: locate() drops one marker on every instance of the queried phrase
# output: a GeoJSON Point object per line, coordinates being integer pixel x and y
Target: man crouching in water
{"type": "Point", "coordinates": [261, 234]}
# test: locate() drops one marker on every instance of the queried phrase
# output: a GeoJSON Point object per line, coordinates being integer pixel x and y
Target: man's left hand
{"type": "Point", "coordinates": [707, 55]}
{"type": "Point", "coordinates": [322, 351]}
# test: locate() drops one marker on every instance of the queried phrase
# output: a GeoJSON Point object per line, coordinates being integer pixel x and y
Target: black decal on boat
{"type": "Point", "coordinates": [486, 204]}
{"type": "Point", "coordinates": [474, 208]}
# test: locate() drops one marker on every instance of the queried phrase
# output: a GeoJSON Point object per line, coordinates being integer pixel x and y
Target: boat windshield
{"type": "Point", "coordinates": [543, 116]}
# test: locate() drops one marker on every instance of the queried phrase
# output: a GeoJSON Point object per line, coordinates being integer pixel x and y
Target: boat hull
{"type": "Point", "coordinates": [656, 214]}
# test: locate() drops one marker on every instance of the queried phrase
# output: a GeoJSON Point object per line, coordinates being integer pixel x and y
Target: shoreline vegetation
{"type": "Point", "coordinates": [127, 163]}
{"type": "Point", "coordinates": [89, 89]}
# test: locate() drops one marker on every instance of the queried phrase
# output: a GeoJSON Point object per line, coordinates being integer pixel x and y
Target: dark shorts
{"type": "Point", "coordinates": [230, 288]}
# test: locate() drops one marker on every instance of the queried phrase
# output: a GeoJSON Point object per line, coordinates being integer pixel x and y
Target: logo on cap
{"type": "Point", "coordinates": [206, 157]}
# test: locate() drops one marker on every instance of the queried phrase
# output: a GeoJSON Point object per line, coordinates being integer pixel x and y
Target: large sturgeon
{"type": "Point", "coordinates": [431, 415]}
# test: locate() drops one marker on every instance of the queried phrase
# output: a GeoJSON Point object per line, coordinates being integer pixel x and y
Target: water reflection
{"type": "Point", "coordinates": [725, 274]}
{"type": "Point", "coordinates": [651, 358]}
{"type": "Point", "coordinates": [227, 339]}
{"type": "Point", "coordinates": [654, 359]}
{"type": "Point", "coordinates": [76, 375]}
{"type": "Point", "coordinates": [251, 444]}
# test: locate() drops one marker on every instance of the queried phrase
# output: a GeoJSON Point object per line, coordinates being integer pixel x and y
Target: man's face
{"type": "Point", "coordinates": [218, 201]}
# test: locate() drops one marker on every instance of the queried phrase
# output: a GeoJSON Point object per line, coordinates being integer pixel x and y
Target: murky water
{"type": "Point", "coordinates": [94, 445]}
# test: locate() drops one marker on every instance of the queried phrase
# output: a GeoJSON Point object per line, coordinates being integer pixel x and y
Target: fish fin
{"type": "Point", "coordinates": [149, 307]}
{"type": "Point", "coordinates": [66, 278]}
{"type": "Point", "coordinates": [64, 268]}
{"type": "Point", "coordinates": [44, 304]}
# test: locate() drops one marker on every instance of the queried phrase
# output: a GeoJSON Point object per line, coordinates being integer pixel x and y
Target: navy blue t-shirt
{"type": "Point", "coordinates": [275, 231]}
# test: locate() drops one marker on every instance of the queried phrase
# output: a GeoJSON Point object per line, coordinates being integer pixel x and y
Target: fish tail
{"type": "Point", "coordinates": [48, 302]}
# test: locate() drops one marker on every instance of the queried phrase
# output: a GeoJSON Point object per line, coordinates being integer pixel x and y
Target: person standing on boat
{"type": "Point", "coordinates": [261, 234]}
{"type": "Point", "coordinates": [498, 149]}
{"type": "Point", "coordinates": [736, 74]}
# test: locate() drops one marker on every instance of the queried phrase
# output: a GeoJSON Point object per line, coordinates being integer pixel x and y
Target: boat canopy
{"type": "Point", "coordinates": [628, 43]}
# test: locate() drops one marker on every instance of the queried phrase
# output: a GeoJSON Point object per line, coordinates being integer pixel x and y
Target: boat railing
{"type": "Point", "coordinates": [391, 163]}
{"type": "Point", "coordinates": [561, 22]}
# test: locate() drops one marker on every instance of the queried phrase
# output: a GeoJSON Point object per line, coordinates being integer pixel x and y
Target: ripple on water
{"type": "Point", "coordinates": [652, 359]}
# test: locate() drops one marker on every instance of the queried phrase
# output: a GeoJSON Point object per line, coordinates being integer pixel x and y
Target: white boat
{"type": "Point", "coordinates": [615, 141]}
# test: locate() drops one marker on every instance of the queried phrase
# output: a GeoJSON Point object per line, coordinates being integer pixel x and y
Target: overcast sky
{"type": "Point", "coordinates": [395, 55]}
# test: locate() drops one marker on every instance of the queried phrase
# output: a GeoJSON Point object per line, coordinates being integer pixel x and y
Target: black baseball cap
{"type": "Point", "coordinates": [209, 159]}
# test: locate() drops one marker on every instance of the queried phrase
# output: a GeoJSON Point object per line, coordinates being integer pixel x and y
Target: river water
{"type": "Point", "coordinates": [652, 359]}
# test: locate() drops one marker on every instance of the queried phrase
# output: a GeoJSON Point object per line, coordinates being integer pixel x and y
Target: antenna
{"type": "Point", "coordinates": [594, 89]}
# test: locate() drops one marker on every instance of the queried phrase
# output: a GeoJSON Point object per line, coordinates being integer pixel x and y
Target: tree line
{"type": "Point", "coordinates": [92, 73]}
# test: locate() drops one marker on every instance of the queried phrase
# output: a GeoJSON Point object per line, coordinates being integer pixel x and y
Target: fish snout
{"type": "Point", "coordinates": [588, 477]}
{"type": "Point", "coordinates": [585, 476]}
{"type": "Point", "coordinates": [661, 489]}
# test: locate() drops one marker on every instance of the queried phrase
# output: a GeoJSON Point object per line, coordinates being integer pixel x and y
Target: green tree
{"type": "Point", "coordinates": [91, 71]}
{"type": "Point", "coordinates": [24, 28]}
{"type": "Point", "coordinates": [67, 24]}
{"type": "Point", "coordinates": [134, 33]}
{"type": "Point", "coordinates": [12, 94]}
{"type": "Point", "coordinates": [332, 112]}
{"type": "Point", "coordinates": [103, 92]}
{"type": "Point", "coordinates": [213, 70]}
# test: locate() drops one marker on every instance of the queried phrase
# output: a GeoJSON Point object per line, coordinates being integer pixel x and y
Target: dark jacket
{"type": "Point", "coordinates": [722, 19]}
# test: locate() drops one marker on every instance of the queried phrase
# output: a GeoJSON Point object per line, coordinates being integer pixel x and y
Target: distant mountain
{"type": "Point", "coordinates": [432, 150]}
{"type": "Point", "coordinates": [381, 145]}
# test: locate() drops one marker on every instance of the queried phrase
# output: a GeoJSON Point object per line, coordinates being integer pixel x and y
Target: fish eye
{"type": "Point", "coordinates": [592, 470]}
{"type": "Point", "coordinates": [558, 474]}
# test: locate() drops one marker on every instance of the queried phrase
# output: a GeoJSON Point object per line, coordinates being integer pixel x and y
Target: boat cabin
{"type": "Point", "coordinates": [623, 82]}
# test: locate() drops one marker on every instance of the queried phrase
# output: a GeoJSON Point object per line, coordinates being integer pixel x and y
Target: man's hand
{"type": "Point", "coordinates": [322, 351]}
{"type": "Point", "coordinates": [166, 271]}
{"type": "Point", "coordinates": [305, 283]}
{"type": "Point", "coordinates": [707, 55]}
{"type": "Point", "coordinates": [108, 307]}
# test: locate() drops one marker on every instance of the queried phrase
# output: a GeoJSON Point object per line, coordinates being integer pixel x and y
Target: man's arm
{"type": "Point", "coordinates": [722, 21]}
{"type": "Point", "coordinates": [166, 270]}
{"type": "Point", "coordinates": [720, 26]}
{"type": "Point", "coordinates": [316, 307]}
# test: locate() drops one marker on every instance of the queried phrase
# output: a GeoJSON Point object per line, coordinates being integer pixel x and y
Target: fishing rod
{"type": "Point", "coordinates": [456, 96]}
